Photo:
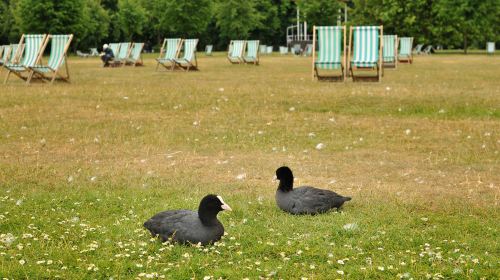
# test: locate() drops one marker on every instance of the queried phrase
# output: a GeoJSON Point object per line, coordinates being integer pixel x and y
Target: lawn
{"type": "Point", "coordinates": [83, 165]}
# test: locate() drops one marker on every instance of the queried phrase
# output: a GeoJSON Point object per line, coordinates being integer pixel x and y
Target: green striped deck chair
{"type": "Point", "coordinates": [427, 50]}
{"type": "Point", "coordinates": [33, 51]}
{"type": "Point", "coordinates": [5, 54]}
{"type": "Point", "coordinates": [94, 52]}
{"type": "Point", "coordinates": [405, 46]}
{"type": "Point", "coordinates": [235, 51]}
{"type": "Point", "coordinates": [135, 57]}
{"type": "Point", "coordinates": [123, 54]}
{"type": "Point", "coordinates": [490, 48]}
{"type": "Point", "coordinates": [309, 50]}
{"type": "Point", "coordinates": [331, 45]}
{"type": "Point", "coordinates": [366, 51]}
{"type": "Point", "coordinates": [252, 53]}
{"type": "Point", "coordinates": [263, 49]}
{"type": "Point", "coordinates": [115, 47]}
{"type": "Point", "coordinates": [283, 50]}
{"type": "Point", "coordinates": [269, 50]}
{"type": "Point", "coordinates": [188, 61]}
{"type": "Point", "coordinates": [59, 45]}
{"type": "Point", "coordinates": [16, 52]}
{"type": "Point", "coordinates": [418, 49]}
{"type": "Point", "coordinates": [169, 51]}
{"type": "Point", "coordinates": [390, 51]}
{"type": "Point", "coordinates": [208, 49]}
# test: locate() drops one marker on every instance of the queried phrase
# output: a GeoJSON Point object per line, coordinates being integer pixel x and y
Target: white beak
{"type": "Point", "coordinates": [224, 205]}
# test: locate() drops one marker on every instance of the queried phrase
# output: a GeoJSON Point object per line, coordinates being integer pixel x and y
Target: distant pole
{"type": "Point", "coordinates": [345, 13]}
{"type": "Point", "coordinates": [298, 24]}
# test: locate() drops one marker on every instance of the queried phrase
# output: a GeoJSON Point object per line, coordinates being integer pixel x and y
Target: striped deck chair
{"type": "Point", "coordinates": [405, 47]}
{"type": "Point", "coordinates": [309, 50]}
{"type": "Point", "coordinates": [59, 45]}
{"type": "Point", "coordinates": [123, 54]}
{"type": "Point", "coordinates": [269, 50]}
{"type": "Point", "coordinates": [427, 49]}
{"type": "Point", "coordinates": [33, 51]}
{"type": "Point", "coordinates": [235, 51]}
{"type": "Point", "coordinates": [263, 49]}
{"type": "Point", "coordinates": [135, 57]}
{"type": "Point", "coordinates": [16, 52]}
{"type": "Point", "coordinates": [208, 49]}
{"type": "Point", "coordinates": [418, 49]}
{"type": "Point", "coordinates": [115, 47]}
{"type": "Point", "coordinates": [94, 52]}
{"type": "Point", "coordinates": [283, 50]}
{"type": "Point", "coordinates": [188, 61]}
{"type": "Point", "coordinates": [366, 51]}
{"type": "Point", "coordinates": [296, 49]}
{"type": "Point", "coordinates": [390, 51]}
{"type": "Point", "coordinates": [169, 51]}
{"type": "Point", "coordinates": [5, 54]}
{"type": "Point", "coordinates": [331, 40]}
{"type": "Point", "coordinates": [252, 54]}
{"type": "Point", "coordinates": [490, 48]}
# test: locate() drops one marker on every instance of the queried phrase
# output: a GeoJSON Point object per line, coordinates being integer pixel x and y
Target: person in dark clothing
{"type": "Point", "coordinates": [106, 55]}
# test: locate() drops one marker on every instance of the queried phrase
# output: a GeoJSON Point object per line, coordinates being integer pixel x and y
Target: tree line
{"type": "Point", "coordinates": [450, 23]}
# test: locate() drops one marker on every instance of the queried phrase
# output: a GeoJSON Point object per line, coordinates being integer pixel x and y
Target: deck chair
{"type": "Point", "coordinates": [490, 48]}
{"type": "Point", "coordinates": [366, 51]}
{"type": "Point", "coordinates": [34, 45]}
{"type": "Point", "coordinates": [283, 50]}
{"type": "Point", "coordinates": [123, 54]}
{"type": "Point", "coordinates": [16, 52]}
{"type": "Point", "coordinates": [390, 51]}
{"type": "Point", "coordinates": [135, 57]}
{"type": "Point", "coordinates": [405, 47]}
{"type": "Point", "coordinates": [168, 52]}
{"type": "Point", "coordinates": [269, 49]}
{"type": "Point", "coordinates": [5, 54]}
{"type": "Point", "coordinates": [418, 49]}
{"type": "Point", "coordinates": [330, 42]}
{"type": "Point", "coordinates": [235, 51]}
{"type": "Point", "coordinates": [252, 53]}
{"type": "Point", "coordinates": [2, 47]}
{"type": "Point", "coordinates": [94, 52]}
{"type": "Point", "coordinates": [263, 49]}
{"type": "Point", "coordinates": [115, 47]}
{"type": "Point", "coordinates": [59, 45]}
{"type": "Point", "coordinates": [296, 49]}
{"type": "Point", "coordinates": [188, 61]}
{"type": "Point", "coordinates": [208, 49]}
{"type": "Point", "coordinates": [82, 54]}
{"type": "Point", "coordinates": [308, 51]}
{"type": "Point", "coordinates": [427, 50]}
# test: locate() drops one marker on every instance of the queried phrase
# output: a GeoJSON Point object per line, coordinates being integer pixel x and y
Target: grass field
{"type": "Point", "coordinates": [83, 165]}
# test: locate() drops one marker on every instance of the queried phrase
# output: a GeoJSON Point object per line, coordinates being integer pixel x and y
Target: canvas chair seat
{"type": "Point", "coordinates": [331, 44]}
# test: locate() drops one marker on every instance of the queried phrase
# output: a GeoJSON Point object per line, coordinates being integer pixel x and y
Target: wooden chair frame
{"type": "Point", "coordinates": [377, 67]}
{"type": "Point", "coordinates": [56, 74]}
{"type": "Point", "coordinates": [315, 72]}
{"type": "Point", "coordinates": [19, 52]}
{"type": "Point", "coordinates": [162, 53]}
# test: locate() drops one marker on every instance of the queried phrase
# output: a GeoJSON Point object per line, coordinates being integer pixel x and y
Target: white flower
{"type": "Point", "coordinates": [93, 178]}
{"type": "Point", "coordinates": [340, 261]}
{"type": "Point", "coordinates": [22, 262]}
{"type": "Point", "coordinates": [381, 268]}
{"type": "Point", "coordinates": [241, 176]}
{"type": "Point", "coordinates": [425, 219]}
{"type": "Point", "coordinates": [291, 109]}
{"type": "Point", "coordinates": [19, 202]}
{"type": "Point", "coordinates": [351, 226]}
{"type": "Point", "coordinates": [341, 272]}
{"type": "Point", "coordinates": [70, 179]}
{"type": "Point", "coordinates": [207, 277]}
{"type": "Point", "coordinates": [320, 146]}
{"type": "Point", "coordinates": [407, 131]}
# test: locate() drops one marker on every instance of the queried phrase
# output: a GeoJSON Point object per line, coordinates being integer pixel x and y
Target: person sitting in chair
{"type": "Point", "coordinates": [106, 55]}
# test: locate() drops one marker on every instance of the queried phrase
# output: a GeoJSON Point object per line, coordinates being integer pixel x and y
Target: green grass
{"type": "Point", "coordinates": [83, 165]}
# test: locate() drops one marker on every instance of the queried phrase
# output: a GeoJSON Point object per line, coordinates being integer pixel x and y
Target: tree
{"type": "Point", "coordinates": [96, 20]}
{"type": "Point", "coordinates": [268, 28]}
{"type": "Point", "coordinates": [320, 12]}
{"type": "Point", "coordinates": [131, 17]}
{"type": "Point", "coordinates": [236, 18]}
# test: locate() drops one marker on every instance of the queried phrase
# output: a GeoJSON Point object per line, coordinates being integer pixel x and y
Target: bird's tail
{"type": "Point", "coordinates": [347, 198]}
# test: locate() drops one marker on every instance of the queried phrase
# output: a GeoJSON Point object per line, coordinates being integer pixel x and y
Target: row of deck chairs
{"type": "Point", "coordinates": [127, 54]}
{"type": "Point", "coordinates": [26, 60]}
{"type": "Point", "coordinates": [263, 49]}
{"type": "Point", "coordinates": [368, 50]}
{"type": "Point", "coordinates": [171, 58]}
{"type": "Point", "coordinates": [297, 50]}
{"type": "Point", "coordinates": [8, 53]}
{"type": "Point", "coordinates": [419, 49]}
{"type": "Point", "coordinates": [242, 51]}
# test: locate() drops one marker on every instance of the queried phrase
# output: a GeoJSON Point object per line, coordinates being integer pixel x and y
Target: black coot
{"type": "Point", "coordinates": [185, 226]}
{"type": "Point", "coordinates": [304, 200]}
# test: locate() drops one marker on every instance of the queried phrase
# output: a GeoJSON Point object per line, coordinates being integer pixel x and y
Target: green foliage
{"type": "Point", "coordinates": [96, 20]}
{"type": "Point", "coordinates": [182, 17]}
{"type": "Point", "coordinates": [237, 18]}
{"type": "Point", "coordinates": [320, 12]}
{"type": "Point", "coordinates": [131, 18]}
